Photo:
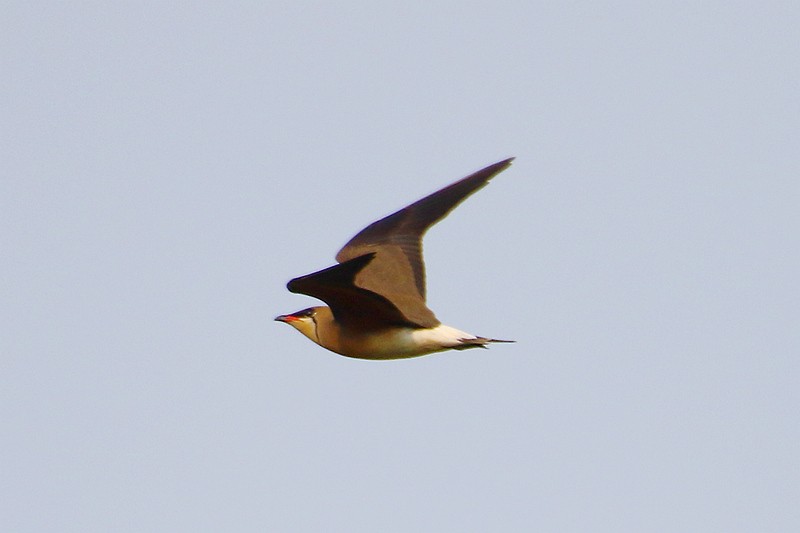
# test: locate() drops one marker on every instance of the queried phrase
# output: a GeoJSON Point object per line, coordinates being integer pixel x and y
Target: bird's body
{"type": "Point", "coordinates": [388, 343]}
{"type": "Point", "coordinates": [376, 294]}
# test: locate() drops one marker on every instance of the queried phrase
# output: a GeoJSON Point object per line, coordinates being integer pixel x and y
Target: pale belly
{"type": "Point", "coordinates": [396, 343]}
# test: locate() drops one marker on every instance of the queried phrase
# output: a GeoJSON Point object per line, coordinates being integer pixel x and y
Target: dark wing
{"type": "Point", "coordinates": [398, 272]}
{"type": "Point", "coordinates": [350, 305]}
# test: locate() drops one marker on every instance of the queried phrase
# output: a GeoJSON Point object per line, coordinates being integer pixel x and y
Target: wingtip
{"type": "Point", "coordinates": [338, 273]}
{"type": "Point", "coordinates": [493, 170]}
{"type": "Point", "coordinates": [500, 165]}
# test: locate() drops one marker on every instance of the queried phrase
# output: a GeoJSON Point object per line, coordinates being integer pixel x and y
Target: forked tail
{"type": "Point", "coordinates": [477, 342]}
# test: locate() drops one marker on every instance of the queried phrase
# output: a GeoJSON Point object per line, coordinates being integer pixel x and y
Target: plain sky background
{"type": "Point", "coordinates": [168, 166]}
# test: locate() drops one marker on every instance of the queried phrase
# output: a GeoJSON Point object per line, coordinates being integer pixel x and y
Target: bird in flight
{"type": "Point", "coordinates": [376, 293]}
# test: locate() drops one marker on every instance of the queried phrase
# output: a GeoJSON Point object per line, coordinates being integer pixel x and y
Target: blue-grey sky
{"type": "Point", "coordinates": [167, 167]}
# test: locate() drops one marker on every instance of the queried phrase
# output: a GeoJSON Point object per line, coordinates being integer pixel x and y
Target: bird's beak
{"type": "Point", "coordinates": [285, 318]}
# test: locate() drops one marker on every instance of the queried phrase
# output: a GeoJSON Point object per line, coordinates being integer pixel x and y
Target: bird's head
{"type": "Point", "coordinates": [304, 321]}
